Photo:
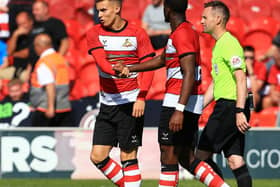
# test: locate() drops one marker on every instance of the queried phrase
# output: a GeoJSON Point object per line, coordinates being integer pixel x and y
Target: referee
{"type": "Point", "coordinates": [226, 127]}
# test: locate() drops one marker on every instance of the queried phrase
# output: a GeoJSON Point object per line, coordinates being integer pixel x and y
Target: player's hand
{"type": "Point", "coordinates": [121, 70]}
{"type": "Point", "coordinates": [241, 122]}
{"type": "Point", "coordinates": [138, 108]}
{"type": "Point", "coordinates": [176, 121]}
{"type": "Point", "coordinates": [50, 112]}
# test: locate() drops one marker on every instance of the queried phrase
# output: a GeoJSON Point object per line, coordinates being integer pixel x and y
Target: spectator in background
{"type": "Point", "coordinates": [15, 7]}
{"type": "Point", "coordinates": [154, 23]}
{"type": "Point", "coordinates": [18, 48]}
{"type": "Point", "coordinates": [54, 27]}
{"type": "Point", "coordinates": [15, 91]}
{"type": "Point", "coordinates": [273, 97]}
{"type": "Point", "coordinates": [256, 75]}
{"type": "Point", "coordinates": [4, 20]}
{"type": "Point", "coordinates": [15, 103]}
{"type": "Point", "coordinates": [49, 86]}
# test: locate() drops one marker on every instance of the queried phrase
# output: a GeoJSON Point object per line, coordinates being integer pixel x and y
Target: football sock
{"type": "Point", "coordinates": [214, 167]}
{"type": "Point", "coordinates": [242, 176]}
{"type": "Point", "coordinates": [132, 175]}
{"type": "Point", "coordinates": [204, 173]}
{"type": "Point", "coordinates": [169, 175]}
{"type": "Point", "coordinates": [112, 170]}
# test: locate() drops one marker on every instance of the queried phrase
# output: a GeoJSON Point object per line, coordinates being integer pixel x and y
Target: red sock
{"type": "Point", "coordinates": [168, 179]}
{"type": "Point", "coordinates": [113, 171]}
{"type": "Point", "coordinates": [132, 175]}
{"type": "Point", "coordinates": [204, 173]}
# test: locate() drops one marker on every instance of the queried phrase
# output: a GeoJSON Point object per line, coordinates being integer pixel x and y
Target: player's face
{"type": "Point", "coordinates": [107, 12]}
{"type": "Point", "coordinates": [208, 20]}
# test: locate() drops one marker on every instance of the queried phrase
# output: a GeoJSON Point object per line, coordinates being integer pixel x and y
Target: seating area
{"type": "Point", "coordinates": [253, 22]}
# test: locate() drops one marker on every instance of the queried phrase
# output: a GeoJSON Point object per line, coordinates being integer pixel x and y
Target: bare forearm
{"type": "Point", "coordinates": [149, 65]}
{"type": "Point", "coordinates": [21, 54]}
{"type": "Point", "coordinates": [64, 45]}
{"type": "Point", "coordinates": [12, 43]}
{"type": "Point", "coordinates": [187, 87]}
{"type": "Point", "coordinates": [241, 88]}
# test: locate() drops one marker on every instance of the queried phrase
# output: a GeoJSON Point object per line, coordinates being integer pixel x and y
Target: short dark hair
{"type": "Point", "coordinates": [249, 48]}
{"type": "Point", "coordinates": [119, 1]}
{"type": "Point", "coordinates": [179, 6]}
{"type": "Point", "coordinates": [221, 6]}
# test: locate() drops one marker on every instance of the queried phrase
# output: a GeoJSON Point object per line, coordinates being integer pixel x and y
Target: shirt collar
{"type": "Point", "coordinates": [48, 52]}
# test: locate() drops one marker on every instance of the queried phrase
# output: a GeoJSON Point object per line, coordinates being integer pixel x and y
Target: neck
{"type": "Point", "coordinates": [218, 33]}
{"type": "Point", "coordinates": [118, 24]}
{"type": "Point", "coordinates": [175, 22]}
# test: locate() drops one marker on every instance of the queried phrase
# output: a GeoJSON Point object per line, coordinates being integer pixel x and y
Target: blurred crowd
{"type": "Point", "coordinates": [29, 33]}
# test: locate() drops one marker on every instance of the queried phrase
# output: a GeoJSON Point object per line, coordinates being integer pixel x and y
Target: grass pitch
{"type": "Point", "coordinates": [106, 183]}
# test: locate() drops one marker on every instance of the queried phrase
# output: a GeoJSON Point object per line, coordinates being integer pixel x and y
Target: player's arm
{"type": "Point", "coordinates": [145, 52]}
{"type": "Point", "coordinates": [149, 65]}
{"type": "Point", "coordinates": [96, 49]}
{"type": "Point", "coordinates": [241, 121]}
{"type": "Point", "coordinates": [188, 70]}
{"type": "Point", "coordinates": [186, 48]}
{"type": "Point", "coordinates": [152, 64]}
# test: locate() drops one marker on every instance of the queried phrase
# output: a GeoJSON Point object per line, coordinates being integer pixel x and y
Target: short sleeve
{"type": "Point", "coordinates": [146, 17]}
{"type": "Point", "coordinates": [58, 30]}
{"type": "Point", "coordinates": [235, 56]}
{"type": "Point", "coordinates": [93, 40]}
{"type": "Point", "coordinates": [45, 75]}
{"type": "Point", "coordinates": [185, 42]}
{"type": "Point", "coordinates": [144, 46]}
{"type": "Point", "coordinates": [272, 76]}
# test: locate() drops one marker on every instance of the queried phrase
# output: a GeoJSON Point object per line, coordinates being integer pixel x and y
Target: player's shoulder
{"type": "Point", "coordinates": [135, 28]}
{"type": "Point", "coordinates": [186, 27]}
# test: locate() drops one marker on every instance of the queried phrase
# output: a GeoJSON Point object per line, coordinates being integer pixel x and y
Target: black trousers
{"type": "Point", "coordinates": [62, 119]}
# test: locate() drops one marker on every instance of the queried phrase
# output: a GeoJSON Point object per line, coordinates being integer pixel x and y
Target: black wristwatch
{"type": "Point", "coordinates": [239, 110]}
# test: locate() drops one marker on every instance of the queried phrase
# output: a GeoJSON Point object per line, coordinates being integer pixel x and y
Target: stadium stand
{"type": "Point", "coordinates": [253, 9]}
{"type": "Point", "coordinates": [253, 22]}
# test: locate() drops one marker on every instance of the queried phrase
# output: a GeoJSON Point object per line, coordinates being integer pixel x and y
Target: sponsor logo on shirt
{"type": "Point", "coordinates": [236, 62]}
{"type": "Point", "coordinates": [104, 42]}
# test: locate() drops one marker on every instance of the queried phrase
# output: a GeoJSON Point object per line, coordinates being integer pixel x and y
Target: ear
{"type": "Point", "coordinates": [118, 9]}
{"type": "Point", "coordinates": [218, 20]}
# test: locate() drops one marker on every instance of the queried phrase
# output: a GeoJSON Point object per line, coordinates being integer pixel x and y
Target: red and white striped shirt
{"type": "Point", "coordinates": [131, 45]}
{"type": "Point", "coordinates": [183, 41]}
{"type": "Point", "coordinates": [4, 25]}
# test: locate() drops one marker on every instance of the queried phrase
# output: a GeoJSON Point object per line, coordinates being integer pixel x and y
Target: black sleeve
{"type": "Point", "coordinates": [276, 40]}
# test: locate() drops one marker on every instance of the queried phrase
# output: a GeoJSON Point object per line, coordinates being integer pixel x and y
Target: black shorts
{"type": "Point", "coordinates": [186, 137]}
{"type": "Point", "coordinates": [221, 133]}
{"type": "Point", "coordinates": [115, 126]}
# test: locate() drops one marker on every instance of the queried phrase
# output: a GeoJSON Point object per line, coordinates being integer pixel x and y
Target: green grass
{"type": "Point", "coordinates": [105, 183]}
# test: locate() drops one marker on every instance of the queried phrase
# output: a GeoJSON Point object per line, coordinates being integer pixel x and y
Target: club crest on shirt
{"type": "Point", "coordinates": [236, 62]}
{"type": "Point", "coordinates": [127, 43]}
